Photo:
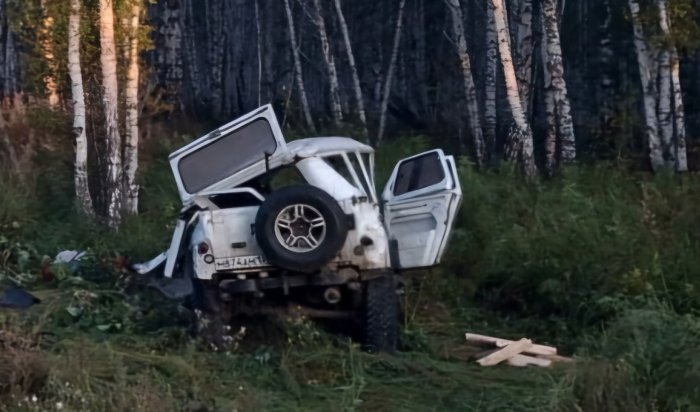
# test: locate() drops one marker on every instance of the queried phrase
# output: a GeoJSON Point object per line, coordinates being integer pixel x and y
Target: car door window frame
{"type": "Point", "coordinates": [446, 183]}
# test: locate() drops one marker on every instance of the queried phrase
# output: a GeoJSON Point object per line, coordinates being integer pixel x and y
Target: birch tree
{"type": "Point", "coordinates": [357, 88]}
{"type": "Point", "coordinates": [297, 68]}
{"type": "Point", "coordinates": [523, 50]}
{"type": "Point", "coordinates": [679, 109]}
{"type": "Point", "coordinates": [520, 146]}
{"type": "Point", "coordinates": [554, 69]}
{"type": "Point", "coordinates": [647, 74]}
{"type": "Point", "coordinates": [671, 111]}
{"type": "Point", "coordinates": [110, 98]}
{"type": "Point", "coordinates": [473, 114]}
{"type": "Point", "coordinates": [47, 29]}
{"type": "Point", "coordinates": [550, 110]}
{"type": "Point", "coordinates": [80, 166]}
{"type": "Point", "coordinates": [131, 138]}
{"type": "Point", "coordinates": [390, 72]}
{"type": "Point", "coordinates": [336, 109]}
{"type": "Point", "coordinates": [490, 86]}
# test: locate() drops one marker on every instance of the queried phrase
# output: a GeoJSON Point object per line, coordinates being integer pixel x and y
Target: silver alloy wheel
{"type": "Point", "coordinates": [300, 228]}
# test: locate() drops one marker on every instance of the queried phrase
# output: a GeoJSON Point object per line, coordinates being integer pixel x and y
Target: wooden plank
{"type": "Point", "coordinates": [556, 358]}
{"type": "Point", "coordinates": [501, 343]}
{"type": "Point", "coordinates": [505, 353]}
{"type": "Point", "coordinates": [524, 360]}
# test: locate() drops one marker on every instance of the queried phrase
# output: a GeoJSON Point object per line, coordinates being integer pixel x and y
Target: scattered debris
{"type": "Point", "coordinates": [17, 298]}
{"type": "Point", "coordinates": [69, 256]}
{"type": "Point", "coordinates": [516, 353]}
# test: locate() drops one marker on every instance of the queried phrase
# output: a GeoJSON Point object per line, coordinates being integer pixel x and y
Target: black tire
{"type": "Point", "coordinates": [317, 202]}
{"type": "Point", "coordinates": [381, 315]}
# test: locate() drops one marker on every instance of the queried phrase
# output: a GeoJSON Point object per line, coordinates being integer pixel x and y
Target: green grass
{"type": "Point", "coordinates": [599, 262]}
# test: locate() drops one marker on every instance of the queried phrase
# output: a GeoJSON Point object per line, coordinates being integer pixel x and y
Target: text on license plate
{"type": "Point", "coordinates": [241, 262]}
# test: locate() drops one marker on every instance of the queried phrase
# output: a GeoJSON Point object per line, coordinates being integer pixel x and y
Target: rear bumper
{"type": "Point", "coordinates": [286, 282]}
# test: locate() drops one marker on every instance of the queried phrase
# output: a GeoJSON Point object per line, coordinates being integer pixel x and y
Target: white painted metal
{"type": "Point", "coordinates": [326, 146]}
{"type": "Point", "coordinates": [446, 184]}
{"type": "Point", "coordinates": [368, 223]}
{"type": "Point", "coordinates": [279, 157]}
{"type": "Point", "coordinates": [147, 267]}
{"type": "Point", "coordinates": [320, 174]}
{"type": "Point", "coordinates": [202, 199]}
{"type": "Point", "coordinates": [174, 249]}
{"type": "Point", "coordinates": [421, 220]}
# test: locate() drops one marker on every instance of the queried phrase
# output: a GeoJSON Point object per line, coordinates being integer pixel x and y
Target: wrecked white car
{"type": "Point", "coordinates": [265, 221]}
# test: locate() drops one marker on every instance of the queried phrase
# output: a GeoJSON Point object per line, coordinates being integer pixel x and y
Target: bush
{"type": "Point", "coordinates": [647, 360]}
{"type": "Point", "coordinates": [564, 247]}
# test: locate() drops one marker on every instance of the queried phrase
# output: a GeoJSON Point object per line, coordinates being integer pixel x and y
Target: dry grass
{"type": "Point", "coordinates": [23, 367]}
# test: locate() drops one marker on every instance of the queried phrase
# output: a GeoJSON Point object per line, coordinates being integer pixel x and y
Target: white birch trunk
{"type": "Point", "coordinates": [353, 67]}
{"type": "Point", "coordinates": [550, 112]}
{"type": "Point", "coordinates": [490, 104]}
{"type": "Point", "coordinates": [520, 135]}
{"type": "Point", "coordinates": [108, 61]}
{"type": "Point", "coordinates": [390, 73]}
{"type": "Point", "coordinates": [297, 68]}
{"type": "Point", "coordinates": [131, 140]}
{"type": "Point", "coordinates": [473, 114]}
{"type": "Point", "coordinates": [329, 61]}
{"type": "Point", "coordinates": [554, 66]}
{"type": "Point", "coordinates": [524, 51]}
{"type": "Point", "coordinates": [676, 146]}
{"type": "Point", "coordinates": [80, 166]}
{"type": "Point", "coordinates": [679, 110]}
{"type": "Point", "coordinates": [47, 30]}
{"type": "Point", "coordinates": [648, 88]}
{"type": "Point", "coordinates": [664, 110]}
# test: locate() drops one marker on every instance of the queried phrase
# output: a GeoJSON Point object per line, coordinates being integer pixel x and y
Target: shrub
{"type": "Point", "coordinates": [560, 247]}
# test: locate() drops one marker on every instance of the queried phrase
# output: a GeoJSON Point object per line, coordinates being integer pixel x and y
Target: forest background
{"type": "Point", "coordinates": [575, 124]}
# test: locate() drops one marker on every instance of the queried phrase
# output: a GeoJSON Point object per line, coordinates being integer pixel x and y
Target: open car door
{"type": "Point", "coordinates": [422, 199]}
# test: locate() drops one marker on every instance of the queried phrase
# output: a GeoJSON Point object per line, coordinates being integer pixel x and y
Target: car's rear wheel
{"type": "Point", "coordinates": [381, 314]}
{"type": "Point", "coordinates": [300, 228]}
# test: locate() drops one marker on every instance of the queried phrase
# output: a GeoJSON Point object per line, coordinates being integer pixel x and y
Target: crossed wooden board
{"type": "Point", "coordinates": [516, 353]}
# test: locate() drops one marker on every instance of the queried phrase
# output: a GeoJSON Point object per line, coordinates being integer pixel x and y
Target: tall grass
{"type": "Point", "coordinates": [569, 247]}
{"type": "Point", "coordinates": [599, 261]}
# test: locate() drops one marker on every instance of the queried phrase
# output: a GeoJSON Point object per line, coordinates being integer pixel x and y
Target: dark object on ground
{"type": "Point", "coordinates": [172, 288]}
{"type": "Point", "coordinates": [17, 298]}
{"type": "Point", "coordinates": [381, 315]}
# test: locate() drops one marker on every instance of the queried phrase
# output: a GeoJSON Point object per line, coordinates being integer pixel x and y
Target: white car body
{"type": "Point", "coordinates": [408, 227]}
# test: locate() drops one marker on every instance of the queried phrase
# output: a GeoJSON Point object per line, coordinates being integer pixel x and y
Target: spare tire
{"type": "Point", "coordinates": [300, 228]}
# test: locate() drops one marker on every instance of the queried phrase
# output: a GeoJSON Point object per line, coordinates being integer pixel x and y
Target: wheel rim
{"type": "Point", "coordinates": [300, 228]}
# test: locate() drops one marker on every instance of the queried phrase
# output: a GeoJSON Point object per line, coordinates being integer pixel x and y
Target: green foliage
{"type": "Point", "coordinates": [43, 28]}
{"type": "Point", "coordinates": [564, 247]}
{"type": "Point", "coordinates": [600, 262]}
{"type": "Point", "coordinates": [646, 360]}
{"type": "Point", "coordinates": [685, 31]}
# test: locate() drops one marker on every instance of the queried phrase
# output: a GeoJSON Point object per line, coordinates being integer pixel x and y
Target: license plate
{"type": "Point", "coordinates": [241, 262]}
